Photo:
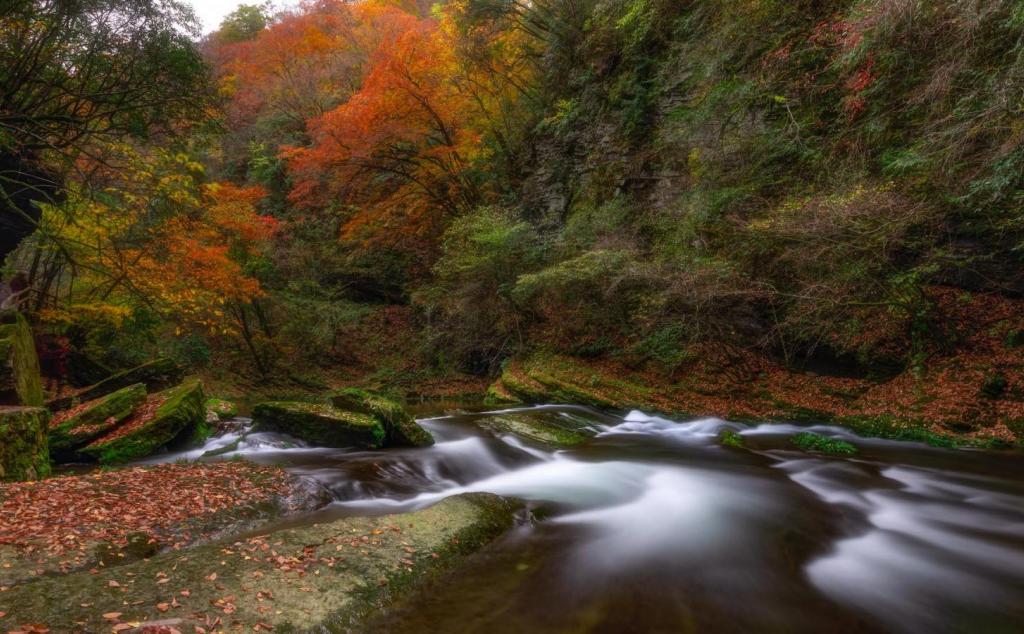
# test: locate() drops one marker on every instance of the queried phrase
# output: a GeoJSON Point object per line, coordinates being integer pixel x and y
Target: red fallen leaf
{"type": "Point", "coordinates": [212, 576]}
{"type": "Point", "coordinates": [199, 630]}
{"type": "Point", "coordinates": [113, 584]}
{"type": "Point", "coordinates": [2, 614]}
{"type": "Point", "coordinates": [120, 627]}
{"type": "Point", "coordinates": [112, 616]}
{"type": "Point", "coordinates": [262, 626]}
{"type": "Point", "coordinates": [186, 593]}
{"type": "Point", "coordinates": [163, 607]}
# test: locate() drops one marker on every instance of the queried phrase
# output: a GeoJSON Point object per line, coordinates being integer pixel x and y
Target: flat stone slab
{"type": "Point", "coordinates": [72, 429]}
{"type": "Point", "coordinates": [326, 577]}
{"type": "Point", "coordinates": [162, 418]}
{"type": "Point", "coordinates": [320, 424]}
{"type": "Point", "coordinates": [401, 429]}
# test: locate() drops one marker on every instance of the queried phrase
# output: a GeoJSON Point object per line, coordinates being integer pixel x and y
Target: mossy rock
{"type": "Point", "coordinates": [544, 428]}
{"type": "Point", "coordinates": [731, 439]}
{"type": "Point", "coordinates": [401, 429]}
{"type": "Point", "coordinates": [24, 450]}
{"type": "Point", "coordinates": [223, 410]}
{"type": "Point", "coordinates": [320, 424]}
{"type": "Point", "coordinates": [91, 420]}
{"type": "Point", "coordinates": [498, 394]}
{"type": "Point", "coordinates": [20, 383]}
{"type": "Point", "coordinates": [374, 561]}
{"type": "Point", "coordinates": [163, 418]}
{"type": "Point", "coordinates": [817, 443]}
{"type": "Point", "coordinates": [155, 375]}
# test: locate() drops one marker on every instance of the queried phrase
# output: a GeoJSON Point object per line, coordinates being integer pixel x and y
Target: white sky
{"type": "Point", "coordinates": [211, 12]}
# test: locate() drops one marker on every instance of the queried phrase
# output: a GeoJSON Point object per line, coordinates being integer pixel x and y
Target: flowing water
{"type": "Point", "coordinates": [651, 526]}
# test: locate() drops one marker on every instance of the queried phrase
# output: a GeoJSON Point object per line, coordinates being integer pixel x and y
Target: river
{"type": "Point", "coordinates": [651, 526]}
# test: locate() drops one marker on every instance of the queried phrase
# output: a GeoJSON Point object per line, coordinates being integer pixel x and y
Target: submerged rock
{"type": "Point", "coordinates": [177, 413]}
{"type": "Point", "coordinates": [24, 451]}
{"type": "Point", "coordinates": [320, 424]}
{"type": "Point", "coordinates": [401, 429]}
{"type": "Point", "coordinates": [326, 577]}
{"type": "Point", "coordinates": [74, 428]}
{"type": "Point", "coordinates": [20, 383]}
{"type": "Point", "coordinates": [155, 375]}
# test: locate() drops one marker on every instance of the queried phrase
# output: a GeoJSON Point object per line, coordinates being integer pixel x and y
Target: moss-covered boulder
{"type": "Point", "coordinates": [24, 451]}
{"type": "Point", "coordinates": [320, 424]}
{"type": "Point", "coordinates": [401, 429]}
{"type": "Point", "coordinates": [20, 383]}
{"type": "Point", "coordinates": [162, 418]}
{"type": "Point", "coordinates": [155, 375]}
{"type": "Point", "coordinates": [329, 577]}
{"type": "Point", "coordinates": [74, 428]}
{"type": "Point", "coordinates": [545, 427]}
{"type": "Point", "coordinates": [221, 409]}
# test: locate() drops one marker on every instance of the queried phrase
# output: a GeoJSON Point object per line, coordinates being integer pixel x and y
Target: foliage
{"type": "Point", "coordinates": [808, 441]}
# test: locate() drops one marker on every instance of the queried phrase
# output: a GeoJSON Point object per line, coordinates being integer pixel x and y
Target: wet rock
{"type": "Point", "coordinates": [326, 577]}
{"type": "Point", "coordinates": [20, 383]}
{"type": "Point", "coordinates": [72, 429]}
{"type": "Point", "coordinates": [546, 428]}
{"type": "Point", "coordinates": [177, 413]}
{"type": "Point", "coordinates": [155, 375]}
{"type": "Point", "coordinates": [24, 451]}
{"type": "Point", "coordinates": [221, 409]}
{"type": "Point", "coordinates": [320, 424]}
{"type": "Point", "coordinates": [401, 429]}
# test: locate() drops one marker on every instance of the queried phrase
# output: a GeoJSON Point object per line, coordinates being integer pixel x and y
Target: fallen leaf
{"type": "Point", "coordinates": [112, 616]}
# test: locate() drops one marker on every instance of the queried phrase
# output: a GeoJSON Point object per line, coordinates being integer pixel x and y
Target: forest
{"type": "Point", "coordinates": [346, 220]}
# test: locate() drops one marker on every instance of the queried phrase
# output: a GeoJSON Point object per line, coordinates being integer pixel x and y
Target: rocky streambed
{"type": "Point", "coordinates": [543, 519]}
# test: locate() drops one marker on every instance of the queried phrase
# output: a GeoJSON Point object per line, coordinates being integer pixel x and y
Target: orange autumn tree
{"type": "Point", "coordinates": [195, 269]}
{"type": "Point", "coordinates": [399, 149]}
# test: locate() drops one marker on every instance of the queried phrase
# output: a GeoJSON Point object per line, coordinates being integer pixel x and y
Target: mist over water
{"type": "Point", "coordinates": [652, 526]}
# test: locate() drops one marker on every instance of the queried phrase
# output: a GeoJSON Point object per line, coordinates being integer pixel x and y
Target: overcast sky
{"type": "Point", "coordinates": [211, 12]}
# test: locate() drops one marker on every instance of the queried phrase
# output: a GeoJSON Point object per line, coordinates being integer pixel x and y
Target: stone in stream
{"type": "Point", "coordinates": [547, 428]}
{"type": "Point", "coordinates": [319, 424]}
{"type": "Point", "coordinates": [155, 375]}
{"type": "Point", "coordinates": [20, 383]}
{"type": "Point", "coordinates": [176, 414]}
{"type": "Point", "coordinates": [24, 451]}
{"type": "Point", "coordinates": [221, 409]}
{"type": "Point", "coordinates": [74, 428]}
{"type": "Point", "coordinates": [325, 577]}
{"type": "Point", "coordinates": [401, 429]}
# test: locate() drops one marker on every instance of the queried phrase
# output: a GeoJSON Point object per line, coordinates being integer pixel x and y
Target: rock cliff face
{"type": "Point", "coordinates": [24, 451]}
{"type": "Point", "coordinates": [20, 383]}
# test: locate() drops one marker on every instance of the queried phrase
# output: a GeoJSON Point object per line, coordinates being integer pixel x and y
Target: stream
{"type": "Point", "coordinates": [651, 526]}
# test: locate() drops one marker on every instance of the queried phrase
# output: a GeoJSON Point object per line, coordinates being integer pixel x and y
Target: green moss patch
{"type": "Point", "coordinates": [817, 443]}
{"type": "Point", "coordinates": [401, 429]}
{"type": "Point", "coordinates": [24, 451]}
{"type": "Point", "coordinates": [74, 428]}
{"type": "Point", "coordinates": [162, 418]}
{"type": "Point", "coordinates": [223, 410]}
{"type": "Point", "coordinates": [20, 383]}
{"type": "Point", "coordinates": [320, 424]}
{"type": "Point", "coordinates": [729, 438]}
